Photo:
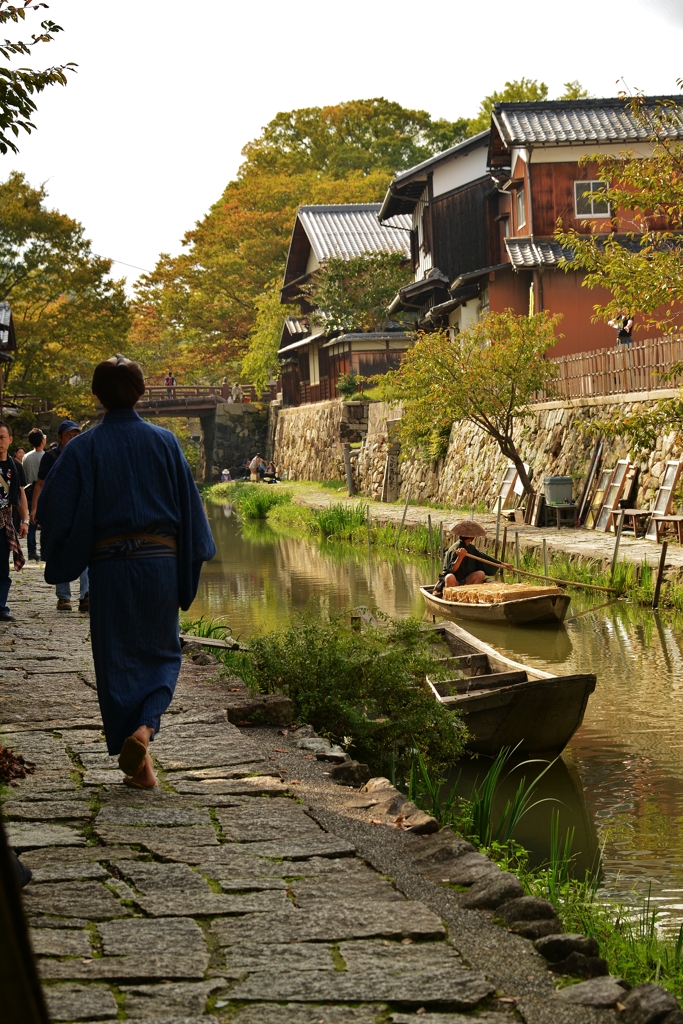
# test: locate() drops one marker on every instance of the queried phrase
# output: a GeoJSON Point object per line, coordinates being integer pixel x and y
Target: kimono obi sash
{"type": "Point", "coordinates": [135, 545]}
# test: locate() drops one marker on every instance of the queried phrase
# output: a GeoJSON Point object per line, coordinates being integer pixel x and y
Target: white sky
{"type": "Point", "coordinates": [147, 134]}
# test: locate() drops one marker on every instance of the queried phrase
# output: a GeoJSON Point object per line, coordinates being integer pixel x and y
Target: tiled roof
{"type": "Point", "coordinates": [540, 253]}
{"type": "Point", "coordinates": [577, 121]}
{"type": "Point", "coordinates": [350, 230]}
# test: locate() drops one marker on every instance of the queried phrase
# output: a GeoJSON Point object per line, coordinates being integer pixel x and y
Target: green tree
{"type": "Point", "coordinates": [19, 86]}
{"type": "Point", "coordinates": [645, 277]}
{"type": "Point", "coordinates": [199, 307]}
{"type": "Point", "coordinates": [521, 90]}
{"type": "Point", "coordinates": [360, 135]}
{"type": "Point", "coordinates": [488, 376]}
{"type": "Point", "coordinates": [353, 295]}
{"type": "Point", "coordinates": [574, 91]}
{"type": "Point", "coordinates": [69, 314]}
{"type": "Point", "coordinates": [260, 362]}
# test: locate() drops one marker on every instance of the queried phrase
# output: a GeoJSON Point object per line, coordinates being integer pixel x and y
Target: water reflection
{"type": "Point", "coordinates": [629, 750]}
{"type": "Point", "coordinates": [558, 791]}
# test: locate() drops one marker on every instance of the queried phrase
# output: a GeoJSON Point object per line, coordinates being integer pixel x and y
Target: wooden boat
{"type": "Point", "coordinates": [525, 611]}
{"type": "Point", "coordinates": [505, 703]}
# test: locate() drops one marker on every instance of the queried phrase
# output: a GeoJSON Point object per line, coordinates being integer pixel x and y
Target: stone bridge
{"type": "Point", "coordinates": [230, 431]}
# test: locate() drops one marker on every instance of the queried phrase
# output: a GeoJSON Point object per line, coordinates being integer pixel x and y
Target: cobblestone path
{"type": "Point", "coordinates": [215, 897]}
{"type": "Point", "coordinates": [248, 888]}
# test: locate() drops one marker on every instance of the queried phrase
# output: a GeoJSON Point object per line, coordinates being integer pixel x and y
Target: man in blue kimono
{"type": "Point", "coordinates": [121, 500]}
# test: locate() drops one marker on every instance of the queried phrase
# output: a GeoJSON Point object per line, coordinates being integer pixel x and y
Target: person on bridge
{"type": "Point", "coordinates": [122, 500]}
{"type": "Point", "coordinates": [170, 382]}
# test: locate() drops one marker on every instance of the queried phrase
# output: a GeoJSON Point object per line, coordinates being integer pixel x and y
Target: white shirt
{"type": "Point", "coordinates": [31, 465]}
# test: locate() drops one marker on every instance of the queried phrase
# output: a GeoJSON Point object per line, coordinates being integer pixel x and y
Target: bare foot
{"type": "Point", "coordinates": [145, 778]}
{"type": "Point", "coordinates": [143, 733]}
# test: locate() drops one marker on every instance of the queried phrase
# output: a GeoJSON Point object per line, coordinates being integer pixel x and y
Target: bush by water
{"type": "Point", "coordinates": [365, 690]}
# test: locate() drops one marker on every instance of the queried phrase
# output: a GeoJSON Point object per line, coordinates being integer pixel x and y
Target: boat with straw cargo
{"type": "Point", "coordinates": [517, 604]}
{"type": "Point", "coordinates": [505, 703]}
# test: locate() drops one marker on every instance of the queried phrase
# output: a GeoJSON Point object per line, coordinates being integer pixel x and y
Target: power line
{"type": "Point", "coordinates": [132, 265]}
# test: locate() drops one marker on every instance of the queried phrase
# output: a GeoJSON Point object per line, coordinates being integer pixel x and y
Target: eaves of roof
{"type": "Point", "coordinates": [407, 187]}
{"type": "Point", "coordinates": [301, 342]}
{"type": "Point", "coordinates": [474, 275]}
{"type": "Point", "coordinates": [541, 252]}
{"type": "Point", "coordinates": [369, 336]}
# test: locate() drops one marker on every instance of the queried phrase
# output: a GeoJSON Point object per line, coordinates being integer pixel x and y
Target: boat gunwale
{"type": "Point", "coordinates": [428, 591]}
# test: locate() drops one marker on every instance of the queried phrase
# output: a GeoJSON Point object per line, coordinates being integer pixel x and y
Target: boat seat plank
{"type": "Point", "coordinates": [474, 663]}
{"type": "Point", "coordinates": [488, 682]}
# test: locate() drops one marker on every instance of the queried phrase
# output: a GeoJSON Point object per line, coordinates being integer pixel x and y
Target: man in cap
{"type": "Point", "coordinates": [459, 568]}
{"type": "Point", "coordinates": [66, 432]}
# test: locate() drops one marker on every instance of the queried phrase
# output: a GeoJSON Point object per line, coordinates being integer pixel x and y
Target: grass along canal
{"type": "Point", "coordinates": [621, 786]}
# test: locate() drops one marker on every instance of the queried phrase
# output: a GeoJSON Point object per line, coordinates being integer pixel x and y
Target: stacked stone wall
{"type": "Point", "coordinates": [552, 440]}
{"type": "Point", "coordinates": [308, 439]}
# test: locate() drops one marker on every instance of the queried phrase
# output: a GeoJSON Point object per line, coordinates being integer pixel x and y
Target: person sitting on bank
{"type": "Point", "coordinates": [270, 476]}
{"type": "Point", "coordinates": [459, 568]}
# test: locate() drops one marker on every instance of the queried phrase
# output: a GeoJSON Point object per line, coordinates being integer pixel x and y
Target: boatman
{"type": "Point", "coordinates": [459, 568]}
{"type": "Point", "coordinates": [121, 500]}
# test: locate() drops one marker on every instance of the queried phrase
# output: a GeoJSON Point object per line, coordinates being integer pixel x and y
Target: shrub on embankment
{"type": "Point", "coordinates": [251, 501]}
{"type": "Point", "coordinates": [362, 689]}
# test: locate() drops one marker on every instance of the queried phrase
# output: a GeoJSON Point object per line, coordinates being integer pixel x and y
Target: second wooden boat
{"type": "Point", "coordinates": [505, 703]}
{"type": "Point", "coordinates": [531, 609]}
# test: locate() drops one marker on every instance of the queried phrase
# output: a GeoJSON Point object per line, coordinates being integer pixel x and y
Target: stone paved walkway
{"type": "Point", "coordinates": [583, 543]}
{"type": "Point", "coordinates": [218, 896]}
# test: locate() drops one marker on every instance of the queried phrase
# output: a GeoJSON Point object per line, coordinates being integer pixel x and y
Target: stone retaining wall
{"type": "Point", "coordinates": [308, 438]}
{"type": "Point", "coordinates": [552, 441]}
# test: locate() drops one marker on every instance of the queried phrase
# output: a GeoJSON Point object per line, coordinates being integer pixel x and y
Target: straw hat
{"type": "Point", "coordinates": [466, 528]}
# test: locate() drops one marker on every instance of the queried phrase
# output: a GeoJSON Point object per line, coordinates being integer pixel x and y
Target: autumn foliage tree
{"type": "Point", "coordinates": [68, 312]}
{"type": "Point", "coordinates": [353, 295]}
{"type": "Point", "coordinates": [487, 375]}
{"type": "Point", "coordinates": [196, 310]}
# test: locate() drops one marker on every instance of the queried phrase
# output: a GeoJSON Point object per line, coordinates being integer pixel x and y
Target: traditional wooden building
{"type": "Point", "coordinates": [311, 359]}
{"type": "Point", "coordinates": [447, 199]}
{"type": "Point", "coordinates": [487, 242]}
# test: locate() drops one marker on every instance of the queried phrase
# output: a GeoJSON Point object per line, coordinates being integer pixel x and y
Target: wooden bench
{"type": "Point", "coordinates": [661, 522]}
{"type": "Point", "coordinates": [639, 519]}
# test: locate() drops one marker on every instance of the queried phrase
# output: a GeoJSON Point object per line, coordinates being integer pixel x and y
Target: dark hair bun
{"type": "Point", "coordinates": [118, 383]}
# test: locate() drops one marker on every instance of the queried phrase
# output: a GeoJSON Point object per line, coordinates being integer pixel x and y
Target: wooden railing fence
{"type": "Point", "coordinates": [618, 370]}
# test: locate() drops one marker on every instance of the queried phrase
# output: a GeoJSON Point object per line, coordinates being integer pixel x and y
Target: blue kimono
{"type": "Point", "coordinates": [113, 490]}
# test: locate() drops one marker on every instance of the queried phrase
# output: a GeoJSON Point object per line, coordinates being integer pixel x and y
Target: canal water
{"type": "Point", "coordinates": [619, 786]}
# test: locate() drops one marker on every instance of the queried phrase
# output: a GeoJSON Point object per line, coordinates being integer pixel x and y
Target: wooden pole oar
{"type": "Point", "coordinates": [536, 576]}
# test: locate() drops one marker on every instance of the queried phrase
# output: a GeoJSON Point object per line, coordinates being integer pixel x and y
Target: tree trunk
{"type": "Point", "coordinates": [524, 477]}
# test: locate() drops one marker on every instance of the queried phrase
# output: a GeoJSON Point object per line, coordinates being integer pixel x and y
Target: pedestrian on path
{"type": "Point", "coordinates": [30, 466]}
{"type": "Point", "coordinates": [12, 494]}
{"type": "Point", "coordinates": [170, 382]}
{"type": "Point", "coordinates": [66, 432]}
{"type": "Point", "coordinates": [122, 500]}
